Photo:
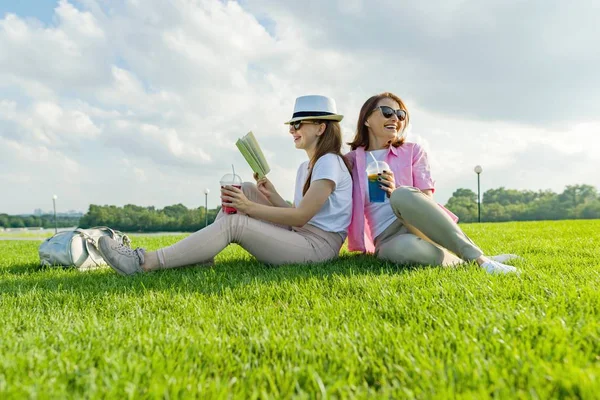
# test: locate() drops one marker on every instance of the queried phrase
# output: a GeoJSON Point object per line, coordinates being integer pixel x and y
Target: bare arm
{"type": "Point", "coordinates": [310, 205]}
{"type": "Point", "coordinates": [265, 186]}
{"type": "Point", "coordinates": [278, 201]}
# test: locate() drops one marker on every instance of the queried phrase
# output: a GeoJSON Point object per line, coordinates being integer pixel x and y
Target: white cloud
{"type": "Point", "coordinates": [29, 165]}
{"type": "Point", "coordinates": [72, 54]}
{"type": "Point", "coordinates": [141, 102]}
{"type": "Point", "coordinates": [47, 123]}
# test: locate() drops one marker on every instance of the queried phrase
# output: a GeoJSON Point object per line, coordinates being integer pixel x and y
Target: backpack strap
{"type": "Point", "coordinates": [90, 242]}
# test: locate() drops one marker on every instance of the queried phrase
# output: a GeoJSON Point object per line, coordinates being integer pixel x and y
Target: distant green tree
{"type": "Point", "coordinates": [175, 211]}
{"type": "Point", "coordinates": [588, 210]}
{"type": "Point", "coordinates": [501, 204]}
{"type": "Point", "coordinates": [17, 223]}
{"type": "Point", "coordinates": [30, 221]}
{"type": "Point", "coordinates": [576, 195]}
{"type": "Point", "coordinates": [132, 218]}
{"type": "Point", "coordinates": [463, 203]}
{"type": "Point", "coordinates": [4, 220]}
{"type": "Point", "coordinates": [505, 197]}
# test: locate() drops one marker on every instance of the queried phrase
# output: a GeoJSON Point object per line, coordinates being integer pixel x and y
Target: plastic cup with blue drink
{"type": "Point", "coordinates": [376, 193]}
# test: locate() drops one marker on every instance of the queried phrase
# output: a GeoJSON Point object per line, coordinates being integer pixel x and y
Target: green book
{"type": "Point", "coordinates": [250, 149]}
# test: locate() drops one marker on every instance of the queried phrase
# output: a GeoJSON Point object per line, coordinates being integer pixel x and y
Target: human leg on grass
{"type": "Point", "coordinates": [151, 260]}
{"type": "Point", "coordinates": [267, 242]}
{"type": "Point", "coordinates": [402, 245]}
{"type": "Point", "coordinates": [440, 234]}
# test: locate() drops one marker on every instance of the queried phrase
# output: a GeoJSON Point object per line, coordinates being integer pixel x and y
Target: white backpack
{"type": "Point", "coordinates": [78, 248]}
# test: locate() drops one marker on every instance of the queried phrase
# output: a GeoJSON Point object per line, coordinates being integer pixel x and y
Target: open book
{"type": "Point", "coordinates": [254, 156]}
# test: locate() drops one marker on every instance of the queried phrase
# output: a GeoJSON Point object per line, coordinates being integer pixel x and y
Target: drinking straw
{"type": "Point", "coordinates": [233, 169]}
{"type": "Point", "coordinates": [374, 159]}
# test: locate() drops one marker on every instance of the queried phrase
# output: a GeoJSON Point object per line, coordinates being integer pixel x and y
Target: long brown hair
{"type": "Point", "coordinates": [361, 138]}
{"type": "Point", "coordinates": [329, 142]}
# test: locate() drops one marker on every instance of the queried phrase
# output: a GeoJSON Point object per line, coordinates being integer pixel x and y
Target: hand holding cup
{"type": "Point", "coordinates": [387, 182]}
{"type": "Point", "coordinates": [231, 181]}
{"type": "Point", "coordinates": [377, 181]}
{"type": "Point", "coordinates": [235, 199]}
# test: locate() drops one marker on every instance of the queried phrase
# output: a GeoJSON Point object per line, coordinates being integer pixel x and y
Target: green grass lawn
{"type": "Point", "coordinates": [25, 234]}
{"type": "Point", "coordinates": [356, 327]}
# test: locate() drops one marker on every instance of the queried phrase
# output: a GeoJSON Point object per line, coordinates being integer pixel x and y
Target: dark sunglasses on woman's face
{"type": "Point", "coordinates": [387, 112]}
{"type": "Point", "coordinates": [298, 124]}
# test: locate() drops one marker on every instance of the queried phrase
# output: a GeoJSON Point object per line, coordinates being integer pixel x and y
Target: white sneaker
{"type": "Point", "coordinates": [495, 267]}
{"type": "Point", "coordinates": [502, 258]}
{"type": "Point", "coordinates": [123, 259]}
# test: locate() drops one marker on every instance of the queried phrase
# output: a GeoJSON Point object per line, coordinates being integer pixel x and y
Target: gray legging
{"type": "Point", "coordinates": [423, 233]}
{"type": "Point", "coordinates": [269, 243]}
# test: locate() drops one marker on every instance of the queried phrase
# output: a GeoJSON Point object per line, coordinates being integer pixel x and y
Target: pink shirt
{"type": "Point", "coordinates": [411, 168]}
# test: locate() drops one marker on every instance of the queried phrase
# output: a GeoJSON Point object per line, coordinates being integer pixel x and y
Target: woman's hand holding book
{"type": "Point", "coordinates": [267, 188]}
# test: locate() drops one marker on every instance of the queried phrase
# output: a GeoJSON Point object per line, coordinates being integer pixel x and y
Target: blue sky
{"type": "Point", "coordinates": [39, 9]}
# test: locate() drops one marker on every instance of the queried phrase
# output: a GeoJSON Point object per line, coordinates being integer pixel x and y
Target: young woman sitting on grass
{"type": "Point", "coordinates": [408, 226]}
{"type": "Point", "coordinates": [312, 230]}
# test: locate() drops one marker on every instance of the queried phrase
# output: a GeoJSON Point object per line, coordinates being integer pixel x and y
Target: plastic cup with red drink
{"type": "Point", "coordinates": [230, 180]}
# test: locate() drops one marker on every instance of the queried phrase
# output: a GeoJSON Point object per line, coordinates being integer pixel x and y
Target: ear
{"type": "Point", "coordinates": [321, 129]}
{"type": "Point", "coordinates": [367, 124]}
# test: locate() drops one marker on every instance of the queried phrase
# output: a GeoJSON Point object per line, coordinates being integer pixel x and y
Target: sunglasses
{"type": "Point", "coordinates": [387, 112]}
{"type": "Point", "coordinates": [298, 124]}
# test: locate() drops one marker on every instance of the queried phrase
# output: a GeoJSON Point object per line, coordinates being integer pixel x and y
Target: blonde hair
{"type": "Point", "coordinates": [329, 142]}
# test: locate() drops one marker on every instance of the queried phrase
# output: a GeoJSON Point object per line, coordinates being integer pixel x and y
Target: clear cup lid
{"type": "Point", "coordinates": [231, 179]}
{"type": "Point", "coordinates": [377, 166]}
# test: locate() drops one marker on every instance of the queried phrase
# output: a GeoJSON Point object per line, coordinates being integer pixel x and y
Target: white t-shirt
{"type": "Point", "coordinates": [336, 213]}
{"type": "Point", "coordinates": [379, 215]}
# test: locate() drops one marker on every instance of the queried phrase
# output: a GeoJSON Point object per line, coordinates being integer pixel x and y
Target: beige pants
{"type": "Point", "coordinates": [423, 233]}
{"type": "Point", "coordinates": [270, 244]}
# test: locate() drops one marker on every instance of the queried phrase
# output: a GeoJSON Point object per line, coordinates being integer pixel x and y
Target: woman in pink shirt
{"type": "Point", "coordinates": [408, 226]}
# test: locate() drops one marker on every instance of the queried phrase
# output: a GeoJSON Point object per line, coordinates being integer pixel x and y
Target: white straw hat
{"type": "Point", "coordinates": [315, 107]}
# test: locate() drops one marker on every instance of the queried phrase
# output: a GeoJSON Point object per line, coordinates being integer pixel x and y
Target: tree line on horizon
{"type": "Point", "coordinates": [501, 205]}
{"type": "Point", "coordinates": [132, 218]}
{"type": "Point", "coordinates": [45, 221]}
{"type": "Point", "coordinates": [498, 205]}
